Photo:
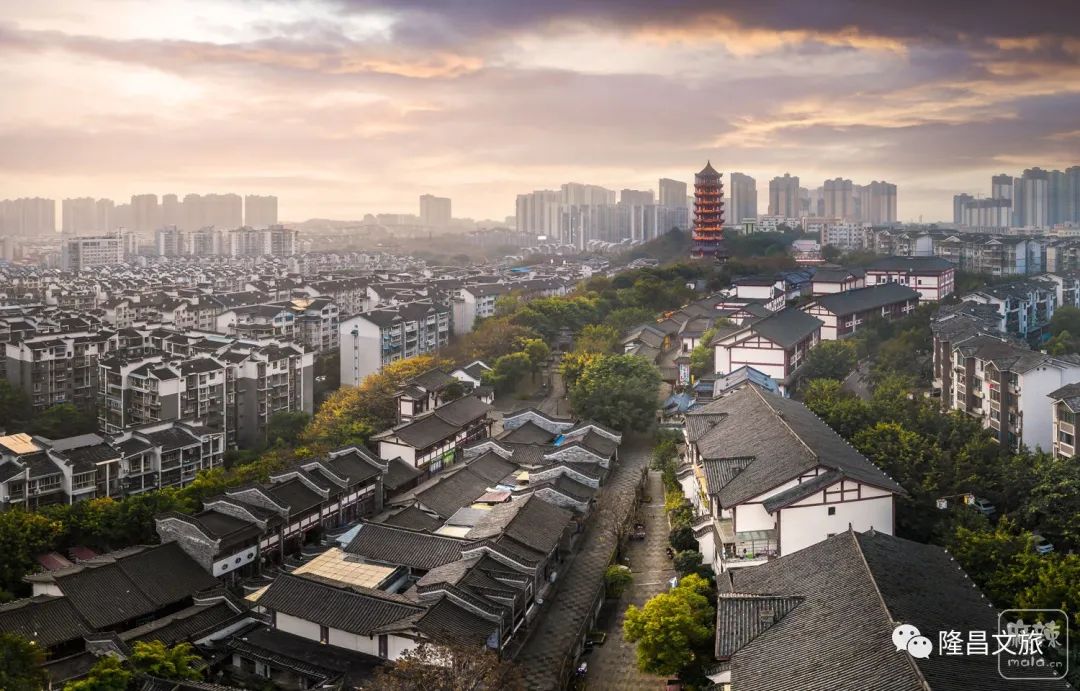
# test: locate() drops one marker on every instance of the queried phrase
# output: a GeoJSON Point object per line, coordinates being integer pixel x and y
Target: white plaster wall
{"type": "Point", "coordinates": [802, 526]}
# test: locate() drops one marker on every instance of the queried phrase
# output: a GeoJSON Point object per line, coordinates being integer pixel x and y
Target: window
{"type": "Point", "coordinates": [324, 634]}
{"type": "Point", "coordinates": [384, 647]}
{"type": "Point", "coordinates": [832, 510]}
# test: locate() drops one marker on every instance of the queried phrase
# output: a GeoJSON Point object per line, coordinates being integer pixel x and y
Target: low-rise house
{"type": "Point", "coordinates": [829, 281]}
{"type": "Point", "coordinates": [422, 393]}
{"type": "Point", "coordinates": [1026, 306]}
{"type": "Point", "coordinates": [933, 277]}
{"type": "Point", "coordinates": [238, 531]}
{"type": "Point", "coordinates": [433, 439]}
{"type": "Point", "coordinates": [767, 477]}
{"type": "Point", "coordinates": [776, 345]}
{"type": "Point", "coordinates": [842, 314]}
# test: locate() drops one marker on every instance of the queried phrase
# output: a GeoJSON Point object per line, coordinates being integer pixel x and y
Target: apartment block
{"type": "Point", "coordinates": [376, 338]}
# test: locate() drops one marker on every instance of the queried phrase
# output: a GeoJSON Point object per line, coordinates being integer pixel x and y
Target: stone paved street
{"type": "Point", "coordinates": [613, 665]}
{"type": "Point", "coordinates": [546, 652]}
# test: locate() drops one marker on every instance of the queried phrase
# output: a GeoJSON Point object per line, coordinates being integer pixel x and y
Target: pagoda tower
{"type": "Point", "coordinates": [708, 233]}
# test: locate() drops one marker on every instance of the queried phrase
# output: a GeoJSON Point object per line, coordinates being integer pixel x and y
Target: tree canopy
{"type": "Point", "coordinates": [617, 390]}
{"type": "Point", "coordinates": [673, 629]}
{"type": "Point", "coordinates": [20, 664]}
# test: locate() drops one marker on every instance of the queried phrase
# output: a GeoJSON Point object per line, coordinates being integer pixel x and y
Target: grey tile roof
{"type": "Point", "coordinates": [869, 298]}
{"type": "Point", "coordinates": [531, 521]}
{"type": "Point", "coordinates": [352, 609]}
{"type": "Point", "coordinates": [855, 588]}
{"type": "Point", "coordinates": [740, 618]}
{"type": "Point", "coordinates": [398, 474]}
{"type": "Point", "coordinates": [453, 490]}
{"type": "Point", "coordinates": [413, 518]}
{"type": "Point", "coordinates": [784, 439]}
{"type": "Point", "coordinates": [390, 545]}
{"type": "Point", "coordinates": [787, 327]}
{"type": "Point", "coordinates": [528, 433]}
{"type": "Point", "coordinates": [448, 623]}
{"type": "Point", "coordinates": [46, 619]}
{"type": "Point", "coordinates": [1069, 395]}
{"type": "Point", "coordinates": [802, 490]}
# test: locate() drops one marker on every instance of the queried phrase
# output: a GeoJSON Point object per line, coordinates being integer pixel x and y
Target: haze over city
{"type": "Point", "coordinates": [347, 108]}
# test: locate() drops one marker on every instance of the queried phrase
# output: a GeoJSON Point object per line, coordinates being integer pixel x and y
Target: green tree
{"type": "Point", "coordinates": [20, 664]}
{"type": "Point", "coordinates": [682, 538]}
{"type": "Point", "coordinates": [1053, 503]}
{"type": "Point", "coordinates": [1065, 319]}
{"type": "Point", "coordinates": [107, 674]}
{"type": "Point", "coordinates": [284, 428]}
{"type": "Point", "coordinates": [673, 630]}
{"type": "Point", "coordinates": [14, 406]}
{"type": "Point", "coordinates": [620, 391]}
{"type": "Point", "coordinates": [63, 420]}
{"type": "Point", "coordinates": [703, 356]}
{"type": "Point", "coordinates": [23, 535]}
{"type": "Point", "coordinates": [687, 562]}
{"type": "Point", "coordinates": [573, 365]}
{"type": "Point", "coordinates": [156, 659]}
{"type": "Point", "coordinates": [537, 351]}
{"type": "Point", "coordinates": [508, 372]}
{"type": "Point", "coordinates": [452, 391]}
{"type": "Point", "coordinates": [623, 319]}
{"type": "Point", "coordinates": [829, 360]}
{"type": "Point", "coordinates": [597, 338]}
{"type": "Point", "coordinates": [616, 579]}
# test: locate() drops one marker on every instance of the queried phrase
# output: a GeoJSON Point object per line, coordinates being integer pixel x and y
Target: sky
{"type": "Point", "coordinates": [347, 107]}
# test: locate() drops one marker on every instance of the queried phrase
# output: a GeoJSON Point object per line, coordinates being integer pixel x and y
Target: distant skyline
{"type": "Point", "coordinates": [347, 107]}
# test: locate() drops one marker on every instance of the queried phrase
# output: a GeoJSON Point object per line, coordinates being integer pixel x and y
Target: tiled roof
{"type": "Point", "coordinates": [531, 521]}
{"type": "Point", "coordinates": [413, 518]}
{"type": "Point", "coordinates": [787, 327]}
{"type": "Point", "coordinates": [854, 590]}
{"type": "Point", "coordinates": [352, 609]}
{"type": "Point", "coordinates": [46, 619]}
{"type": "Point", "coordinates": [389, 545]}
{"type": "Point", "coordinates": [784, 439]}
{"type": "Point", "coordinates": [869, 298]}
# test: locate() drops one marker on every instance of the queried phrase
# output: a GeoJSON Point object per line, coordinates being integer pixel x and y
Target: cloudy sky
{"type": "Point", "coordinates": [344, 107]}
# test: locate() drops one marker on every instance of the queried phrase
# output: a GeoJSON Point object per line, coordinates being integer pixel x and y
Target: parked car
{"type": "Point", "coordinates": [984, 507]}
{"type": "Point", "coordinates": [1042, 545]}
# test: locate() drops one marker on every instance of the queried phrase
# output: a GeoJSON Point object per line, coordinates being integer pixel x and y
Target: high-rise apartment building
{"type": "Point", "coordinates": [78, 215]}
{"type": "Point", "coordinates": [260, 211]}
{"type": "Point", "coordinates": [708, 233]}
{"type": "Point", "coordinates": [224, 211]}
{"type": "Point", "coordinates": [170, 210]}
{"type": "Point", "coordinates": [1057, 201]}
{"type": "Point", "coordinates": [1031, 199]}
{"type": "Point", "coordinates": [959, 202]}
{"type": "Point", "coordinates": [629, 197]}
{"type": "Point", "coordinates": [537, 213]}
{"type": "Point", "coordinates": [1001, 186]}
{"type": "Point", "coordinates": [877, 203]}
{"type": "Point", "coordinates": [743, 191]}
{"type": "Point", "coordinates": [1072, 193]}
{"type": "Point", "coordinates": [784, 196]}
{"type": "Point", "coordinates": [104, 216]}
{"type": "Point", "coordinates": [576, 194]}
{"type": "Point", "coordinates": [28, 217]}
{"type": "Point", "coordinates": [839, 199]}
{"type": "Point", "coordinates": [434, 211]}
{"type": "Point", "coordinates": [672, 192]}
{"type": "Point", "coordinates": [192, 213]}
{"type": "Point", "coordinates": [145, 213]}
